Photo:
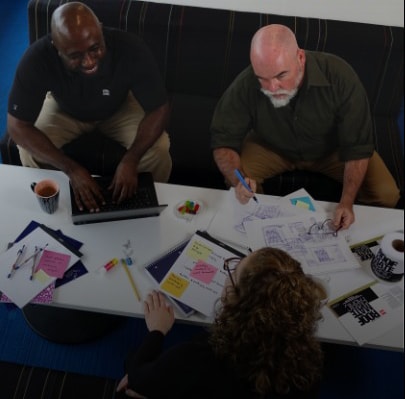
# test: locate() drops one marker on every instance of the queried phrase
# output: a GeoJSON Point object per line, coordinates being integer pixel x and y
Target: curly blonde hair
{"type": "Point", "coordinates": [266, 326]}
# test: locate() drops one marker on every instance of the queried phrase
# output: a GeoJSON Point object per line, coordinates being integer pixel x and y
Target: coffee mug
{"type": "Point", "coordinates": [47, 192]}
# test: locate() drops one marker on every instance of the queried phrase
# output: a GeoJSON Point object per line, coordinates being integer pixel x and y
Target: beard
{"type": "Point", "coordinates": [280, 102]}
{"type": "Point", "coordinates": [288, 95]}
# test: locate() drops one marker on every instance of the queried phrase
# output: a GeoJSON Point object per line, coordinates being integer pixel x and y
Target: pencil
{"type": "Point", "coordinates": [131, 280]}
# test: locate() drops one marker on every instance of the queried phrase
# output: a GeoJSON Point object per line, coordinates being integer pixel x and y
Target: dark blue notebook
{"type": "Point", "coordinates": [159, 268]}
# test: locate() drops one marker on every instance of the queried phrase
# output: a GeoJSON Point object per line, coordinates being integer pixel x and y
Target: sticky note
{"type": "Point", "coordinates": [175, 285]}
{"type": "Point", "coordinates": [204, 272]}
{"type": "Point", "coordinates": [198, 251]}
{"type": "Point", "coordinates": [53, 263]}
{"type": "Point", "coordinates": [303, 202]}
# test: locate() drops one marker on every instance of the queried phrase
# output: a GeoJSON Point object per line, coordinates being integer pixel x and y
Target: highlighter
{"type": "Point", "coordinates": [108, 266]}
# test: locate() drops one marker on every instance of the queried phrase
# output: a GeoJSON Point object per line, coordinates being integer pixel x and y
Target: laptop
{"type": "Point", "coordinates": [143, 204]}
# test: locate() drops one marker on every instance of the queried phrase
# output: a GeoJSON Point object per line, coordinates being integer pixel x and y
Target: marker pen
{"type": "Point", "coordinates": [108, 266]}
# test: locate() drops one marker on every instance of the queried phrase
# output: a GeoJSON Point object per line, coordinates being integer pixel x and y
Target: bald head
{"type": "Point", "coordinates": [70, 20]}
{"type": "Point", "coordinates": [272, 41]}
{"type": "Point", "coordinates": [277, 62]}
{"type": "Point", "coordinates": [78, 37]}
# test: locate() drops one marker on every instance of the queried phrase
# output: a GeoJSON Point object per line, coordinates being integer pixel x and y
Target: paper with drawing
{"type": "Point", "coordinates": [318, 252]}
{"type": "Point", "coordinates": [228, 223]}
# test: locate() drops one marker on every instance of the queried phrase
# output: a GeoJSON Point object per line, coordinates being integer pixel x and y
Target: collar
{"type": "Point", "coordinates": [314, 76]}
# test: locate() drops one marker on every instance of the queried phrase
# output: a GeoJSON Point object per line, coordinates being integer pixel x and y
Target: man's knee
{"type": "Point", "coordinates": [27, 159]}
{"type": "Point", "coordinates": [157, 159]}
{"type": "Point", "coordinates": [382, 194]}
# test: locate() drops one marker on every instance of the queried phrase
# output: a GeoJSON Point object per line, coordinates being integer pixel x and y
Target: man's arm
{"type": "Point", "coordinates": [26, 135]}
{"type": "Point", "coordinates": [150, 129]}
{"type": "Point", "coordinates": [352, 179]}
{"type": "Point", "coordinates": [227, 161]}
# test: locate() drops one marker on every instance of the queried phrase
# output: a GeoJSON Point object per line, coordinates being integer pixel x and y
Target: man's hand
{"type": "Point", "coordinates": [158, 315]}
{"type": "Point", "coordinates": [86, 191]}
{"type": "Point", "coordinates": [125, 181]}
{"type": "Point", "coordinates": [352, 179]}
{"type": "Point", "coordinates": [344, 216]}
{"type": "Point", "coordinates": [243, 195]}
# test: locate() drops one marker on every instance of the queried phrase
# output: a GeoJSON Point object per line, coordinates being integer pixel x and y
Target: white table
{"type": "Point", "coordinates": [150, 237]}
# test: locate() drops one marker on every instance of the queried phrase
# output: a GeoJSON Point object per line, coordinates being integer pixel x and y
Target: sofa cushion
{"type": "Point", "coordinates": [200, 51]}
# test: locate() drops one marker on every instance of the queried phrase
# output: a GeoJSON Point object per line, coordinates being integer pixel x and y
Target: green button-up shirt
{"type": "Point", "coordinates": [330, 113]}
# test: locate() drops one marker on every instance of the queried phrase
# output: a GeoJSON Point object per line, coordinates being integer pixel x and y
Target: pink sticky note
{"type": "Point", "coordinates": [54, 264]}
{"type": "Point", "coordinates": [204, 272]}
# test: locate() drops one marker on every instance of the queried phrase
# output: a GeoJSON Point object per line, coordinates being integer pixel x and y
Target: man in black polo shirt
{"type": "Point", "coordinates": [82, 77]}
{"type": "Point", "coordinates": [295, 109]}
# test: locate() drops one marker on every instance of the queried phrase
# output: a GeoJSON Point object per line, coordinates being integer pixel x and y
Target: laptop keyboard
{"type": "Point", "coordinates": [143, 203]}
{"type": "Point", "coordinates": [141, 199]}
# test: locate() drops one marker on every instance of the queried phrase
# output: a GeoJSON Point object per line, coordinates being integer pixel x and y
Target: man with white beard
{"type": "Point", "coordinates": [298, 109]}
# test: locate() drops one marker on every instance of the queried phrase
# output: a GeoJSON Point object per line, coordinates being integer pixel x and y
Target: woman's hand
{"type": "Point", "coordinates": [158, 314]}
{"type": "Point", "coordinates": [123, 386]}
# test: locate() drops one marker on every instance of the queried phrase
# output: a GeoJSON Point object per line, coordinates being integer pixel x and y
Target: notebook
{"type": "Point", "coordinates": [159, 268]}
{"type": "Point", "coordinates": [143, 204]}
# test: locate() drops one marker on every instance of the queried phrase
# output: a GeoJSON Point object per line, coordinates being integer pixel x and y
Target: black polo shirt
{"type": "Point", "coordinates": [330, 113]}
{"type": "Point", "coordinates": [127, 66]}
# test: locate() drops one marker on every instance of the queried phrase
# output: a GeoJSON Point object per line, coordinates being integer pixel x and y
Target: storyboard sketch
{"type": "Point", "coordinates": [229, 222]}
{"type": "Point", "coordinates": [308, 238]}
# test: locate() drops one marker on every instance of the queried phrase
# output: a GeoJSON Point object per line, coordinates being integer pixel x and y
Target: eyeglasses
{"type": "Point", "coordinates": [230, 265]}
{"type": "Point", "coordinates": [323, 228]}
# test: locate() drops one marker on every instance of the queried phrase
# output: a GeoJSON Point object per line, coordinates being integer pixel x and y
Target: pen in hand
{"type": "Point", "coordinates": [243, 181]}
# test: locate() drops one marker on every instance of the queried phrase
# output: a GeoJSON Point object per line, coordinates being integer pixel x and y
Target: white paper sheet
{"type": "Point", "coordinates": [317, 253]}
{"type": "Point", "coordinates": [20, 288]}
{"type": "Point", "coordinates": [228, 223]}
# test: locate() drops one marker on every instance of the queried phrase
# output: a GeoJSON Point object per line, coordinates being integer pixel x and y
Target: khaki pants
{"type": "Point", "coordinates": [378, 188]}
{"type": "Point", "coordinates": [61, 129]}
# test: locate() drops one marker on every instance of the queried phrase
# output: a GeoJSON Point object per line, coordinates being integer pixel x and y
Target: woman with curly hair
{"type": "Point", "coordinates": [261, 344]}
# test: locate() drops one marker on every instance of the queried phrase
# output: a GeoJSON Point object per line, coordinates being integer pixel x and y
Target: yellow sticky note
{"type": "Point", "coordinates": [175, 285]}
{"type": "Point", "coordinates": [302, 204]}
{"type": "Point", "coordinates": [41, 276]}
{"type": "Point", "coordinates": [198, 251]}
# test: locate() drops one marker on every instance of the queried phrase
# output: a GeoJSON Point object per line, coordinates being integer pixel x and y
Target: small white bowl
{"type": "Point", "coordinates": [189, 211]}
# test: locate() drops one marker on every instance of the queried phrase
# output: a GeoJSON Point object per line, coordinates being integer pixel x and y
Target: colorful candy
{"type": "Point", "coordinates": [189, 207]}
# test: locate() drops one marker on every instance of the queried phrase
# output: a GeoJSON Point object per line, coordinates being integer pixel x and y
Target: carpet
{"type": "Point", "coordinates": [103, 357]}
{"type": "Point", "coordinates": [350, 372]}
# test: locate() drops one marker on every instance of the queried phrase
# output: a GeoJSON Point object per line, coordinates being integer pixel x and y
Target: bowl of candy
{"type": "Point", "coordinates": [187, 209]}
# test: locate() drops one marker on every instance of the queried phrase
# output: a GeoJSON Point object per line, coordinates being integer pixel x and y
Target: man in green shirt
{"type": "Point", "coordinates": [296, 109]}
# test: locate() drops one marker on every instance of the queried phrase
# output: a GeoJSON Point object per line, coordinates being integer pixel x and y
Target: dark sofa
{"type": "Point", "coordinates": [200, 51]}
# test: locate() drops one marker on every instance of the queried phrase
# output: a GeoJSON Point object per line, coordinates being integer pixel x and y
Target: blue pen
{"type": "Point", "coordinates": [243, 181]}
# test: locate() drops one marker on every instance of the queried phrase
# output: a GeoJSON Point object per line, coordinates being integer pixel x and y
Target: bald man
{"type": "Point", "coordinates": [81, 77]}
{"type": "Point", "coordinates": [296, 109]}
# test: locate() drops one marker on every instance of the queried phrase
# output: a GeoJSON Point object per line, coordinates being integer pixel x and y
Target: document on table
{"type": "Point", "coordinates": [317, 253]}
{"type": "Point", "coordinates": [369, 311]}
{"type": "Point", "coordinates": [197, 276]}
{"type": "Point", "coordinates": [228, 223]}
{"type": "Point", "coordinates": [29, 280]}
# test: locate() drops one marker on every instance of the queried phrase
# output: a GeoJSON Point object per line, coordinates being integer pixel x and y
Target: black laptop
{"type": "Point", "coordinates": [143, 204]}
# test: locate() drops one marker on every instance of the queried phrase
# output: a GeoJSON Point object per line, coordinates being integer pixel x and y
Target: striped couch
{"type": "Point", "coordinates": [200, 51]}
